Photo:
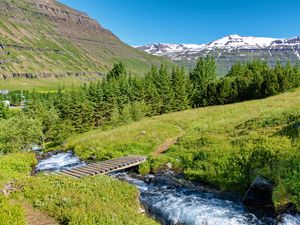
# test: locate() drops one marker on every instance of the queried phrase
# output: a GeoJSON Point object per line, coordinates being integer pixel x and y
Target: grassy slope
{"type": "Point", "coordinates": [223, 145]}
{"type": "Point", "coordinates": [215, 121]}
{"type": "Point", "coordinates": [28, 28]}
{"type": "Point", "coordinates": [43, 84]}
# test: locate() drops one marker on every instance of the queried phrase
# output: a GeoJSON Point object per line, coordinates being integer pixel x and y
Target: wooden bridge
{"type": "Point", "coordinates": [103, 167]}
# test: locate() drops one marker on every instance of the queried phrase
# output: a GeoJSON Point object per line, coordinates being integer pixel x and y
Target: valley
{"type": "Point", "coordinates": [95, 130]}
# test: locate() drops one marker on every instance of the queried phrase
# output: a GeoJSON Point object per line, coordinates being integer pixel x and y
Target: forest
{"type": "Point", "coordinates": [48, 119]}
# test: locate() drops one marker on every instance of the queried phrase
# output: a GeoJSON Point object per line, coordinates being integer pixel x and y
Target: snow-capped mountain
{"type": "Point", "coordinates": [231, 49]}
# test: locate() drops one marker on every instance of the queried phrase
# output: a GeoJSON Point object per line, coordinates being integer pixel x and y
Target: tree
{"type": "Point", "coordinates": [152, 96]}
{"type": "Point", "coordinates": [117, 71]}
{"type": "Point", "coordinates": [58, 132]}
{"type": "Point", "coordinates": [270, 84]}
{"type": "Point", "coordinates": [203, 74]}
{"type": "Point", "coordinates": [164, 88]}
{"type": "Point", "coordinates": [180, 88]}
{"type": "Point", "coordinates": [224, 91]}
{"type": "Point", "coordinates": [76, 108]}
{"type": "Point", "coordinates": [19, 133]}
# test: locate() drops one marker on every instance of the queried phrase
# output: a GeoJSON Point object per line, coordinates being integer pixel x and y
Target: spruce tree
{"type": "Point", "coordinates": [117, 71]}
{"type": "Point", "coordinates": [180, 88]}
{"type": "Point", "coordinates": [201, 76]}
{"type": "Point", "coordinates": [165, 89]}
{"type": "Point", "coordinates": [152, 96]}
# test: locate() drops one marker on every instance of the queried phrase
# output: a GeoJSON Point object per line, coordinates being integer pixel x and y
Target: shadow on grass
{"type": "Point", "coordinates": [291, 131]}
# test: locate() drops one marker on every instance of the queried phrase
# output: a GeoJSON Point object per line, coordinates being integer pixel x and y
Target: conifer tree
{"type": "Point", "coordinates": [201, 76]}
{"type": "Point", "coordinates": [165, 89]}
{"type": "Point", "coordinates": [117, 71]}
{"type": "Point", "coordinates": [180, 88]}
{"type": "Point", "coordinates": [152, 96]}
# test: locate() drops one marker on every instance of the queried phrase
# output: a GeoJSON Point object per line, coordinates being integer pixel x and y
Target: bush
{"type": "Point", "coordinates": [19, 133]}
{"type": "Point", "coordinates": [15, 165]}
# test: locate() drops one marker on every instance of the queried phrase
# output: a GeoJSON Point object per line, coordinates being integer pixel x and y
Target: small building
{"type": "Point", "coordinates": [4, 92]}
{"type": "Point", "coordinates": [6, 103]}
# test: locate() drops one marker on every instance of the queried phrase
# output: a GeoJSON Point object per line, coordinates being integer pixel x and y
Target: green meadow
{"type": "Point", "coordinates": [225, 146]}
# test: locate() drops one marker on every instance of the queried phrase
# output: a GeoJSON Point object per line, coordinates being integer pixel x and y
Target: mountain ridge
{"type": "Point", "coordinates": [231, 49]}
{"type": "Point", "coordinates": [48, 37]}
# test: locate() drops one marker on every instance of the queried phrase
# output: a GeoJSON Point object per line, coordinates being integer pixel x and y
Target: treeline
{"type": "Point", "coordinates": [250, 81]}
{"type": "Point", "coordinates": [121, 98]}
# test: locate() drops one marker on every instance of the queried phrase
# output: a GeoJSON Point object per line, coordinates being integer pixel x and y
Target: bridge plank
{"type": "Point", "coordinates": [103, 167]}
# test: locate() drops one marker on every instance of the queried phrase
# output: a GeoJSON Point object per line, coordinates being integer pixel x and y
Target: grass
{"type": "Point", "coordinates": [226, 146]}
{"type": "Point", "coordinates": [13, 167]}
{"type": "Point", "coordinates": [93, 200]}
{"type": "Point", "coordinates": [45, 84]}
{"type": "Point", "coordinates": [136, 138]}
{"type": "Point", "coordinates": [11, 213]}
{"type": "Point", "coordinates": [52, 47]}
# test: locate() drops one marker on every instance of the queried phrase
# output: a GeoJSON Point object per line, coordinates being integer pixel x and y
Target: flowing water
{"type": "Point", "coordinates": [172, 204]}
{"type": "Point", "coordinates": [59, 161]}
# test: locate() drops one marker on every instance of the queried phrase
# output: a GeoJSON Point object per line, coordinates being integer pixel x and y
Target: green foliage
{"type": "Point", "coordinates": [11, 213]}
{"type": "Point", "coordinates": [145, 168]}
{"type": "Point", "coordinates": [122, 98]}
{"type": "Point", "coordinates": [116, 72]}
{"type": "Point", "coordinates": [94, 200]}
{"type": "Point", "coordinates": [180, 85]}
{"type": "Point", "coordinates": [76, 107]}
{"type": "Point", "coordinates": [19, 133]}
{"type": "Point", "coordinates": [15, 165]}
{"type": "Point", "coordinates": [12, 167]}
{"type": "Point", "coordinates": [203, 74]}
{"type": "Point", "coordinates": [4, 111]}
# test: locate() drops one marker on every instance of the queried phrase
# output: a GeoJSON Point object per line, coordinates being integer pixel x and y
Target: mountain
{"type": "Point", "coordinates": [231, 49]}
{"type": "Point", "coordinates": [46, 38]}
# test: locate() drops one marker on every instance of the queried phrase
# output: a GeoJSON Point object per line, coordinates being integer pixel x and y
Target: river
{"type": "Point", "coordinates": [173, 204]}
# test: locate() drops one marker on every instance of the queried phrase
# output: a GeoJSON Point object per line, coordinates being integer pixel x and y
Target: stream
{"type": "Point", "coordinates": [173, 204]}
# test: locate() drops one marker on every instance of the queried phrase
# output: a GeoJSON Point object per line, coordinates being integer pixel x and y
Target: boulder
{"type": "Point", "coordinates": [259, 196]}
{"type": "Point", "coordinates": [169, 166]}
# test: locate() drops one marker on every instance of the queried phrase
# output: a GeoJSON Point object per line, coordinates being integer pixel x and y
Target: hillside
{"type": "Point", "coordinates": [226, 146]}
{"type": "Point", "coordinates": [43, 38]}
{"type": "Point", "coordinates": [231, 49]}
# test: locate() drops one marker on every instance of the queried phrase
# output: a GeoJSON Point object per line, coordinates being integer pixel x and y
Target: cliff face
{"type": "Point", "coordinates": [47, 37]}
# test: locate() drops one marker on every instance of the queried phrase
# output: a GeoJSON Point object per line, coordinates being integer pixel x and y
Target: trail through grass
{"type": "Point", "coordinates": [226, 146]}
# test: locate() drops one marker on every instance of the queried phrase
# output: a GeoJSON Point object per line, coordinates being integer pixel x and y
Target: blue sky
{"type": "Point", "coordinates": [139, 22]}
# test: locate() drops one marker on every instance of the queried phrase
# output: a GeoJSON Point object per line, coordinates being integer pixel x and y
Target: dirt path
{"type": "Point", "coordinates": [168, 143]}
{"type": "Point", "coordinates": [36, 217]}
{"type": "Point", "coordinates": [33, 216]}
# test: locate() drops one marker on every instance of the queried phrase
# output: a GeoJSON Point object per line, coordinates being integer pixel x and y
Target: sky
{"type": "Point", "coordinates": [139, 22]}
